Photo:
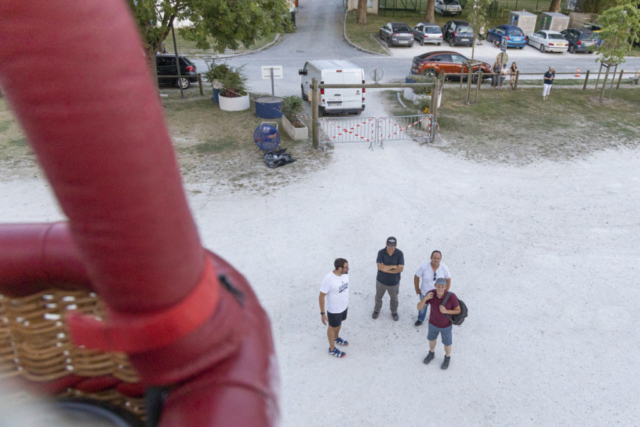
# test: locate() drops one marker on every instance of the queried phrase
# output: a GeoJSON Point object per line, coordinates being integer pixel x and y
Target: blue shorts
{"type": "Point", "coordinates": [447, 336]}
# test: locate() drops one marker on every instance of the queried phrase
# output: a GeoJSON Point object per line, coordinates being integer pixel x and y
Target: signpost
{"type": "Point", "coordinates": [272, 72]}
{"type": "Point", "coordinates": [377, 75]}
{"type": "Point", "coordinates": [502, 58]}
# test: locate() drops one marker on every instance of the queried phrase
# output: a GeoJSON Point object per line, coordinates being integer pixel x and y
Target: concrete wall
{"type": "Point", "coordinates": [372, 5]}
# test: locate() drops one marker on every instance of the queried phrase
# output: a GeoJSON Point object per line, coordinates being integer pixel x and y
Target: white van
{"type": "Point", "coordinates": [334, 71]}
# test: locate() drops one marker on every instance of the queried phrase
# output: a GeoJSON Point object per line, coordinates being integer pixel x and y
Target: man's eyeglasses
{"type": "Point", "coordinates": [434, 275]}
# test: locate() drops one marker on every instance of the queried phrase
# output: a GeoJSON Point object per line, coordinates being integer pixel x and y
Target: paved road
{"type": "Point", "coordinates": [319, 36]}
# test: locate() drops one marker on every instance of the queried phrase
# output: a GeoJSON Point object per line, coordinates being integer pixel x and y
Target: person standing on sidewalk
{"type": "Point", "coordinates": [335, 286]}
{"type": "Point", "coordinates": [429, 272]}
{"type": "Point", "coordinates": [390, 263]}
{"type": "Point", "coordinates": [495, 76]}
{"type": "Point", "coordinates": [549, 77]}
{"type": "Point", "coordinates": [513, 71]}
{"type": "Point", "coordinates": [439, 322]}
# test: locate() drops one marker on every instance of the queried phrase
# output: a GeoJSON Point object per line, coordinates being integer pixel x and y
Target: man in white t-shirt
{"type": "Point", "coordinates": [335, 286]}
{"type": "Point", "coordinates": [429, 272]}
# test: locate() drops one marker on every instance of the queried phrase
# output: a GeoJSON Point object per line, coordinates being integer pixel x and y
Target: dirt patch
{"type": "Point", "coordinates": [519, 127]}
{"type": "Point", "coordinates": [215, 148]}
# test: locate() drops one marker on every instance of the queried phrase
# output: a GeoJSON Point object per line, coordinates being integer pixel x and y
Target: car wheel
{"type": "Point", "coordinates": [439, 43]}
{"type": "Point", "coordinates": [521, 47]}
{"type": "Point", "coordinates": [183, 83]}
{"type": "Point", "coordinates": [411, 45]}
{"type": "Point", "coordinates": [572, 49]}
{"type": "Point", "coordinates": [304, 95]}
{"type": "Point", "coordinates": [591, 51]}
{"type": "Point", "coordinates": [541, 48]}
{"type": "Point", "coordinates": [430, 73]}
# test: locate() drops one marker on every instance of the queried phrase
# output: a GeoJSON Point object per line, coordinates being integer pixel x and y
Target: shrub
{"type": "Point", "coordinates": [233, 83]}
{"type": "Point", "coordinates": [291, 106]}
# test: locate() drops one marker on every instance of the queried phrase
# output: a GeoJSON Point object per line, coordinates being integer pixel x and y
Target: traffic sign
{"type": "Point", "coordinates": [503, 44]}
{"type": "Point", "coordinates": [502, 58]}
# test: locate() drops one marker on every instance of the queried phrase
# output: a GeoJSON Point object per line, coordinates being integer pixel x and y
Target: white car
{"type": "Point", "coordinates": [548, 41]}
{"type": "Point", "coordinates": [447, 7]}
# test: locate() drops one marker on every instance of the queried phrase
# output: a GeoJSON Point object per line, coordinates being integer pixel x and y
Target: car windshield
{"type": "Point", "coordinates": [587, 36]}
{"type": "Point", "coordinates": [555, 36]}
{"type": "Point", "coordinates": [464, 29]}
{"type": "Point", "coordinates": [451, 2]}
{"type": "Point", "coordinates": [515, 32]}
{"type": "Point", "coordinates": [401, 29]}
{"type": "Point", "coordinates": [432, 30]}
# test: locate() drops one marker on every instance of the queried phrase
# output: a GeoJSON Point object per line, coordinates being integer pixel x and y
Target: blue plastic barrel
{"type": "Point", "coordinates": [269, 107]}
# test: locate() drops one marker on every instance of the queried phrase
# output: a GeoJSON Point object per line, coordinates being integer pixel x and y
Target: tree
{"type": "Point", "coordinates": [475, 12]}
{"type": "Point", "coordinates": [223, 23]}
{"type": "Point", "coordinates": [361, 12]}
{"type": "Point", "coordinates": [555, 6]}
{"type": "Point", "coordinates": [620, 28]}
{"type": "Point", "coordinates": [430, 15]}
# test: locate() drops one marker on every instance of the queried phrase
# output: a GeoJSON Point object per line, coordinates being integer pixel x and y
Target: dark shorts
{"type": "Point", "coordinates": [335, 319]}
{"type": "Point", "coordinates": [434, 331]}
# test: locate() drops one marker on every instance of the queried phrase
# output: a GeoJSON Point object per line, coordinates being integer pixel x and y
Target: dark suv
{"type": "Point", "coordinates": [581, 40]}
{"type": "Point", "coordinates": [458, 32]}
{"type": "Point", "coordinates": [166, 66]}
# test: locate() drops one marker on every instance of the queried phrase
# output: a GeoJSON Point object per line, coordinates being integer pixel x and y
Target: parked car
{"type": "Point", "coordinates": [397, 33]}
{"type": "Point", "coordinates": [447, 7]}
{"type": "Point", "coordinates": [434, 63]}
{"type": "Point", "coordinates": [334, 71]}
{"type": "Point", "coordinates": [548, 41]}
{"type": "Point", "coordinates": [427, 33]}
{"type": "Point", "coordinates": [166, 66]}
{"type": "Point", "coordinates": [580, 40]}
{"type": "Point", "coordinates": [458, 32]}
{"type": "Point", "coordinates": [514, 35]}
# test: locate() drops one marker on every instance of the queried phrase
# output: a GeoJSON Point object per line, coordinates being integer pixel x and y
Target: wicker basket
{"type": "Point", "coordinates": [35, 346]}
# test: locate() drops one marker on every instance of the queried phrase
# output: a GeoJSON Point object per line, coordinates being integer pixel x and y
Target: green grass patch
{"type": "Point", "coordinates": [5, 125]}
{"type": "Point", "coordinates": [518, 126]}
{"type": "Point", "coordinates": [187, 47]}
{"type": "Point", "coordinates": [216, 145]}
{"type": "Point", "coordinates": [18, 142]}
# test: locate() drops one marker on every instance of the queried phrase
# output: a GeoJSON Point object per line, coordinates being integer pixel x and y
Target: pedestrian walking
{"type": "Point", "coordinates": [429, 272]}
{"type": "Point", "coordinates": [504, 73]}
{"type": "Point", "coordinates": [443, 304]}
{"type": "Point", "coordinates": [513, 72]}
{"type": "Point", "coordinates": [495, 76]}
{"type": "Point", "coordinates": [390, 263]}
{"type": "Point", "coordinates": [335, 287]}
{"type": "Point", "coordinates": [549, 77]}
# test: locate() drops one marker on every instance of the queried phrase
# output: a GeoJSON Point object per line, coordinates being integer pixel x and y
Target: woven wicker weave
{"type": "Point", "coordinates": [35, 346]}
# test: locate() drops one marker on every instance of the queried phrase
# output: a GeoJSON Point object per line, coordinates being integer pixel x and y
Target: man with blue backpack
{"type": "Point", "coordinates": [444, 305]}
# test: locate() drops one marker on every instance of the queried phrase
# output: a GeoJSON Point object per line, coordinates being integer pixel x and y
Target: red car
{"type": "Point", "coordinates": [435, 63]}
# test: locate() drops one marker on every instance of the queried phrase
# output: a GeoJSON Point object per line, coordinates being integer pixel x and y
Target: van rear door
{"type": "Point", "coordinates": [343, 99]}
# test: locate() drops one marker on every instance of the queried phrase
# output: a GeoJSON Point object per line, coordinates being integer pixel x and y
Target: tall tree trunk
{"type": "Point", "coordinates": [430, 16]}
{"type": "Point", "coordinates": [361, 13]}
{"type": "Point", "coordinates": [555, 6]}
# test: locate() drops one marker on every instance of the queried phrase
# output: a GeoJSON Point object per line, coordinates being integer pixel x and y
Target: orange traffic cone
{"type": "Point", "coordinates": [578, 73]}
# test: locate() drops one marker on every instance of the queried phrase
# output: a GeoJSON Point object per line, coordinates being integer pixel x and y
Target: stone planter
{"type": "Point", "coordinates": [239, 103]}
{"type": "Point", "coordinates": [297, 134]}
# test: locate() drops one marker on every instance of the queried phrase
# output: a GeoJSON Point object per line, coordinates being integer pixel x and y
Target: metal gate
{"type": "Point", "coordinates": [376, 130]}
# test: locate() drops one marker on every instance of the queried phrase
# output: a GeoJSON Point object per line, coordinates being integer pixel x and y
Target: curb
{"type": "Point", "coordinates": [223, 56]}
{"type": "Point", "coordinates": [350, 43]}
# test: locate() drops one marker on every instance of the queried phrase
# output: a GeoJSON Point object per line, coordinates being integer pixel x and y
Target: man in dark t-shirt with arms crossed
{"type": "Point", "coordinates": [438, 321]}
{"type": "Point", "coordinates": [390, 262]}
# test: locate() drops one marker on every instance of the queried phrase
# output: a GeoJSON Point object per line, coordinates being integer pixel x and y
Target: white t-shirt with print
{"type": "Point", "coordinates": [425, 272]}
{"type": "Point", "coordinates": [337, 290]}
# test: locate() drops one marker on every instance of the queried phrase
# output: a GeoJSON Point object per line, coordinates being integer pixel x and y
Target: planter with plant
{"type": "Point", "coordinates": [213, 76]}
{"type": "Point", "coordinates": [233, 94]}
{"type": "Point", "coordinates": [415, 94]}
{"type": "Point", "coordinates": [295, 128]}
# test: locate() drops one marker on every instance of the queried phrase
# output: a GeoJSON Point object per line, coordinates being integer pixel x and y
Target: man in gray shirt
{"type": "Point", "coordinates": [390, 263]}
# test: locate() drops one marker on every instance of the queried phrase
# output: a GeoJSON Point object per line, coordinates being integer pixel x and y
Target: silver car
{"type": "Point", "coordinates": [448, 7]}
{"type": "Point", "coordinates": [397, 34]}
{"type": "Point", "coordinates": [427, 33]}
